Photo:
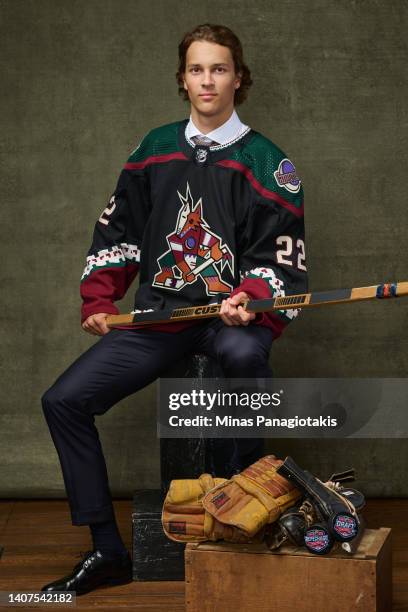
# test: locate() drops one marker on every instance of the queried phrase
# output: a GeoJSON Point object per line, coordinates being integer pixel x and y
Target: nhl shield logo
{"type": "Point", "coordinates": [201, 155]}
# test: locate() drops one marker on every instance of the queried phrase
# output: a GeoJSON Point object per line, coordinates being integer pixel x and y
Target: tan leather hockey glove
{"type": "Point", "coordinates": [184, 518]}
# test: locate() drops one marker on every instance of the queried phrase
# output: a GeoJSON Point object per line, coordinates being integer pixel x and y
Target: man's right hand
{"type": "Point", "coordinates": [96, 324]}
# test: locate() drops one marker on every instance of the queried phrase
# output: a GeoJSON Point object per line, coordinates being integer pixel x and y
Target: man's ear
{"type": "Point", "coordinates": [238, 78]}
{"type": "Point", "coordinates": [184, 82]}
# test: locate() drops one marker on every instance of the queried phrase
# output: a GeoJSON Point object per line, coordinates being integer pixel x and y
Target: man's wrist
{"type": "Point", "coordinates": [87, 311]}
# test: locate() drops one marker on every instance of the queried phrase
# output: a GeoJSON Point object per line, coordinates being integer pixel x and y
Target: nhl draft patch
{"type": "Point", "coordinates": [286, 176]}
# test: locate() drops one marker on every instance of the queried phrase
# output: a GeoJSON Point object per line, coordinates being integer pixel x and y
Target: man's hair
{"type": "Point", "coordinates": [222, 36]}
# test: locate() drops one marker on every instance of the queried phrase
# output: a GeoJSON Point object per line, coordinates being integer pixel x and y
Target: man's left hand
{"type": "Point", "coordinates": [232, 313]}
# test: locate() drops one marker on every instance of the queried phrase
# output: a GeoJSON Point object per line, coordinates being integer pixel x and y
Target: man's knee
{"type": "Point", "coordinates": [55, 401]}
{"type": "Point", "coordinates": [242, 357]}
{"type": "Point", "coordinates": [242, 353]}
{"type": "Point", "coordinates": [49, 399]}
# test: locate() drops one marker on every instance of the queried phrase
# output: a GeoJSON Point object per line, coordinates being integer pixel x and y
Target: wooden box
{"type": "Point", "coordinates": [155, 557]}
{"type": "Point", "coordinates": [250, 578]}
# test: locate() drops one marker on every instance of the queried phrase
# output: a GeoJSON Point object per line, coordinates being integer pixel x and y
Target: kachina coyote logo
{"type": "Point", "coordinates": [195, 252]}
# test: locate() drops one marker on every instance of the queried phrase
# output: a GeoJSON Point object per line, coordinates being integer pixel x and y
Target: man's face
{"type": "Point", "coordinates": [210, 78]}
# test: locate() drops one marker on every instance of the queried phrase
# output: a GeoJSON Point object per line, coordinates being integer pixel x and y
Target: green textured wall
{"type": "Point", "coordinates": [82, 81]}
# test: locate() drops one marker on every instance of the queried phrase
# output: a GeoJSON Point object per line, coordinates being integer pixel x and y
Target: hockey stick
{"type": "Point", "coordinates": [303, 300]}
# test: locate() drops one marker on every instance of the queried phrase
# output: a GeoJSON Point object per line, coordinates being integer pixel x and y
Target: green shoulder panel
{"type": "Point", "coordinates": [159, 141]}
{"type": "Point", "coordinates": [271, 167]}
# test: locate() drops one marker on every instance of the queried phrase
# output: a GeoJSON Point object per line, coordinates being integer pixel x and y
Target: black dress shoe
{"type": "Point", "coordinates": [95, 569]}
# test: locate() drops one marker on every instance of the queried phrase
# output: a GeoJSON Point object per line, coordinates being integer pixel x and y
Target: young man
{"type": "Point", "coordinates": [204, 208]}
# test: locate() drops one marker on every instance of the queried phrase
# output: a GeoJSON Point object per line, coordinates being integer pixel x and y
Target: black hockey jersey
{"type": "Point", "coordinates": [197, 221]}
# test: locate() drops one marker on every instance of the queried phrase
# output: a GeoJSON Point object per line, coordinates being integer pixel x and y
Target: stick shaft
{"type": "Point", "coordinates": [304, 300]}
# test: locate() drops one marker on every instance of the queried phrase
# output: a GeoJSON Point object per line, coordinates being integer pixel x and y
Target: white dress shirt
{"type": "Point", "coordinates": [226, 133]}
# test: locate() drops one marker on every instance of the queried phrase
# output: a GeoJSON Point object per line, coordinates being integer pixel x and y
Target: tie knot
{"type": "Point", "coordinates": [203, 140]}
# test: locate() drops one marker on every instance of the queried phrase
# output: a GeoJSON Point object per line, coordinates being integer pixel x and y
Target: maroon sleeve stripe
{"type": "Point", "coordinates": [105, 286]}
{"type": "Point", "coordinates": [266, 193]}
{"type": "Point", "coordinates": [154, 159]}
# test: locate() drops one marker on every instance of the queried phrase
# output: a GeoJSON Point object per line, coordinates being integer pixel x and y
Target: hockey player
{"type": "Point", "coordinates": [204, 206]}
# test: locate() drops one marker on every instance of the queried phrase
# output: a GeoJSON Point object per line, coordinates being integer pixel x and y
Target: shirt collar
{"type": "Point", "coordinates": [227, 132]}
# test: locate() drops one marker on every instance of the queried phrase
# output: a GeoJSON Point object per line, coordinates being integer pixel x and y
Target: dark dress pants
{"type": "Point", "coordinates": [119, 364]}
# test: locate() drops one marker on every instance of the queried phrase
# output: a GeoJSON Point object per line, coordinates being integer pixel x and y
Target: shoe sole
{"type": "Point", "coordinates": [107, 583]}
{"type": "Point", "coordinates": [117, 581]}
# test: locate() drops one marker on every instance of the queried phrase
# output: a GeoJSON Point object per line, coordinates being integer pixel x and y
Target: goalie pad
{"type": "Point", "coordinates": [252, 499]}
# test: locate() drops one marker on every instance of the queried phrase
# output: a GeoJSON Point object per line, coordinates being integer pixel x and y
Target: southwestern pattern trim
{"type": "Point", "coordinates": [116, 255]}
{"type": "Point", "coordinates": [276, 286]}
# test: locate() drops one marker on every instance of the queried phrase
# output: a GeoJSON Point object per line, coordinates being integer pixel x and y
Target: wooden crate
{"type": "Point", "coordinates": [250, 578]}
{"type": "Point", "coordinates": [155, 557]}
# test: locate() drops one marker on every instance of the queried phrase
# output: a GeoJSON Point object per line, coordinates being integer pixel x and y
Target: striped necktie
{"type": "Point", "coordinates": [203, 140]}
